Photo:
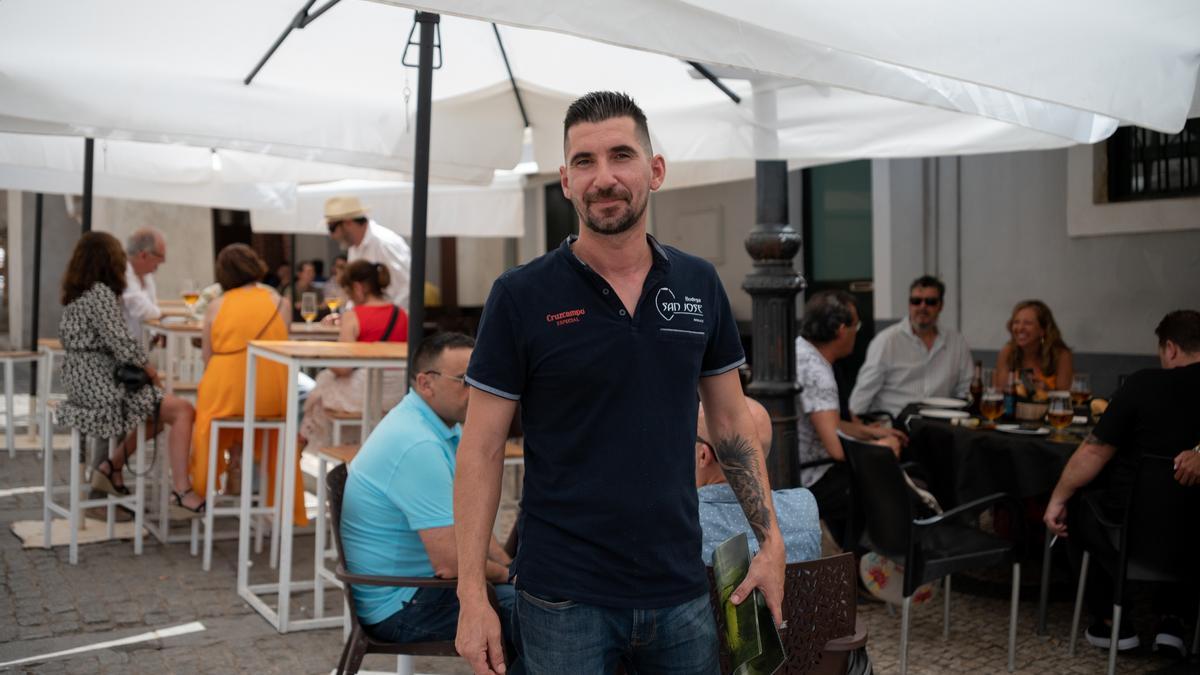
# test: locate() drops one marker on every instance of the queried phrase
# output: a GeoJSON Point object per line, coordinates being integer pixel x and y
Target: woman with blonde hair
{"type": "Point", "coordinates": [372, 319]}
{"type": "Point", "coordinates": [245, 311]}
{"type": "Point", "coordinates": [1037, 346]}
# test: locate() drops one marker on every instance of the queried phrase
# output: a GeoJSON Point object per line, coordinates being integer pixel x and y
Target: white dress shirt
{"type": "Point", "coordinates": [140, 301]}
{"type": "Point", "coordinates": [899, 369]}
{"type": "Point", "coordinates": [381, 245]}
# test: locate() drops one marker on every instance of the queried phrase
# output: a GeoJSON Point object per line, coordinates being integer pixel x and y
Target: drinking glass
{"type": "Point", "coordinates": [333, 302]}
{"type": "Point", "coordinates": [1081, 389]}
{"type": "Point", "coordinates": [191, 293]}
{"type": "Point", "coordinates": [308, 308]}
{"type": "Point", "coordinates": [991, 405]}
{"type": "Point", "coordinates": [1060, 412]}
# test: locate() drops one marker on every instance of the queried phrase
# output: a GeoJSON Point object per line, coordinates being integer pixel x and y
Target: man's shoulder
{"type": "Point", "coordinates": [683, 262]}
{"type": "Point", "coordinates": [401, 436]}
{"type": "Point", "coordinates": [532, 273]}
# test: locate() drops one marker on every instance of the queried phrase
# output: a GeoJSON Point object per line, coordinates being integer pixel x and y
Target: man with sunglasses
{"type": "Point", "coordinates": [365, 239]}
{"type": "Point", "coordinates": [914, 359]}
{"type": "Point", "coordinates": [397, 513]}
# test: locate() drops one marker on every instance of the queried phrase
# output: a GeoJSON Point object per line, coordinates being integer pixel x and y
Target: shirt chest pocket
{"type": "Point", "coordinates": [683, 335]}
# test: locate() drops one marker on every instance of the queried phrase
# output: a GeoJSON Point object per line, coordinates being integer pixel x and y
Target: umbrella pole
{"type": "Point", "coordinates": [37, 288]}
{"type": "Point", "coordinates": [416, 293]}
{"type": "Point", "coordinates": [89, 146]}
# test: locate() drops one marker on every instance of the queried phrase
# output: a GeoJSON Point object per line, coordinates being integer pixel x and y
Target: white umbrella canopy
{"type": "Point", "coordinates": [335, 91]}
{"type": "Point", "coordinates": [1025, 62]}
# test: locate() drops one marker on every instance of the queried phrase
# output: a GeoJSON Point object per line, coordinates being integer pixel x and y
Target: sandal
{"type": "Point", "coordinates": [103, 480]}
{"type": "Point", "coordinates": [181, 512]}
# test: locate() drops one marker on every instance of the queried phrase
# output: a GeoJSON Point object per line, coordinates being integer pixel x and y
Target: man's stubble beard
{"type": "Point", "coordinates": [623, 225]}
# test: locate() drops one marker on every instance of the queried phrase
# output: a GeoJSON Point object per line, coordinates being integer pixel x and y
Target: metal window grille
{"type": "Point", "coordinates": [1144, 164]}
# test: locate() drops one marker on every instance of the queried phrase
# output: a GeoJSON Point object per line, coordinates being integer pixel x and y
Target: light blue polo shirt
{"type": "Point", "coordinates": [401, 481]}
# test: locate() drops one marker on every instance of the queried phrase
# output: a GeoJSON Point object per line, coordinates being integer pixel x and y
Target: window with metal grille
{"type": "Point", "coordinates": [1144, 164]}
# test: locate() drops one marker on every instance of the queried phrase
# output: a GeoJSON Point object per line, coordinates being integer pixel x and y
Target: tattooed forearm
{"type": "Point", "coordinates": [739, 460]}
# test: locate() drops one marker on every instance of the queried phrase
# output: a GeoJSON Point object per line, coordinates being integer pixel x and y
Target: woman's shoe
{"type": "Point", "coordinates": [102, 480]}
{"type": "Point", "coordinates": [181, 512]}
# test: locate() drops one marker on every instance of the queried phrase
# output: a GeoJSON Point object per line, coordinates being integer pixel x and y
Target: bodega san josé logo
{"type": "Point", "coordinates": [567, 317]}
{"type": "Point", "coordinates": [669, 306]}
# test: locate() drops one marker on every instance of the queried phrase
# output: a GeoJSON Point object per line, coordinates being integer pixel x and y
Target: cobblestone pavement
{"type": "Point", "coordinates": [47, 605]}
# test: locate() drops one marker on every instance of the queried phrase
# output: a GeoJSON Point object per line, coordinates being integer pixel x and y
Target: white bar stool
{"type": "Point", "coordinates": [327, 458]}
{"type": "Point", "coordinates": [72, 511]}
{"type": "Point", "coordinates": [260, 512]}
{"type": "Point", "coordinates": [342, 419]}
{"type": "Point", "coordinates": [10, 359]}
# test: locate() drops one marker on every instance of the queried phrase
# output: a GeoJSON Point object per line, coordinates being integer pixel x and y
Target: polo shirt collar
{"type": "Point", "coordinates": [661, 258]}
{"type": "Point", "coordinates": [717, 493]}
{"type": "Point", "coordinates": [413, 401]}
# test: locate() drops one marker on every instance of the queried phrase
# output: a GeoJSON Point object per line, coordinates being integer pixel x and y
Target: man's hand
{"type": "Point", "coordinates": [882, 432]}
{"type": "Point", "coordinates": [331, 319]}
{"type": "Point", "coordinates": [765, 573]}
{"type": "Point", "coordinates": [479, 640]}
{"type": "Point", "coordinates": [1055, 517]}
{"type": "Point", "coordinates": [891, 442]}
{"type": "Point", "coordinates": [1187, 468]}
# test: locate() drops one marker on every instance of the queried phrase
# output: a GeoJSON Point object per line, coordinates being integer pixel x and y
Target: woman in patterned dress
{"type": "Point", "coordinates": [96, 341]}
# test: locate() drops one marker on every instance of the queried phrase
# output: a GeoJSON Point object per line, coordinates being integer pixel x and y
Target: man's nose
{"type": "Point", "coordinates": [604, 177]}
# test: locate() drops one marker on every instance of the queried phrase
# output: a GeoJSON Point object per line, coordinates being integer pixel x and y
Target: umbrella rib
{"type": "Point", "coordinates": [511, 79]}
{"type": "Point", "coordinates": [300, 20]}
{"type": "Point", "coordinates": [708, 74]}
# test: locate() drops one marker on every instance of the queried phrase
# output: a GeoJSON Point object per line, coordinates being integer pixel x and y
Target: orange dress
{"type": "Point", "coordinates": [246, 313]}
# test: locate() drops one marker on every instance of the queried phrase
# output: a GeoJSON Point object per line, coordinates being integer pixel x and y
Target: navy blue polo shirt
{"type": "Point", "coordinates": [609, 515]}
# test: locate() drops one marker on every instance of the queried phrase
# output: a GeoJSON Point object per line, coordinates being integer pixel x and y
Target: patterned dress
{"type": "Point", "coordinates": [96, 341]}
{"type": "Point", "coordinates": [820, 392]}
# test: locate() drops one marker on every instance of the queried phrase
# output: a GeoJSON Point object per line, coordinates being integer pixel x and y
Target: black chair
{"type": "Point", "coordinates": [927, 548]}
{"type": "Point", "coordinates": [1152, 541]}
{"type": "Point", "coordinates": [359, 644]}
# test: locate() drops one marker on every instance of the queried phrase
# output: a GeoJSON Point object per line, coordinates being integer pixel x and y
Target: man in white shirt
{"type": "Point", "coordinates": [145, 250]}
{"type": "Point", "coordinates": [367, 240]}
{"type": "Point", "coordinates": [914, 359]}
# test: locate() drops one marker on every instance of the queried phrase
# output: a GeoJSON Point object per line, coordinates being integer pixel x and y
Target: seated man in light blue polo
{"type": "Point", "coordinates": [721, 515]}
{"type": "Point", "coordinates": [397, 513]}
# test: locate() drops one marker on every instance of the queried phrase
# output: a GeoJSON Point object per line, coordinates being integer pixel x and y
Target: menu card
{"type": "Point", "coordinates": [750, 632]}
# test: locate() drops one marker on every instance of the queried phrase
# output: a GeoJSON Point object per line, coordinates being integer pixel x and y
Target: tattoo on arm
{"type": "Point", "coordinates": [739, 460]}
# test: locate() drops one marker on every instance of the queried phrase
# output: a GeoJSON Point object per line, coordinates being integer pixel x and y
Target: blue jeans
{"type": "Point", "coordinates": [432, 614]}
{"type": "Point", "coordinates": [563, 636]}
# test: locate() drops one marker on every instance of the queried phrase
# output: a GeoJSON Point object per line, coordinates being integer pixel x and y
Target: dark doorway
{"type": "Point", "coordinates": [837, 251]}
{"type": "Point", "coordinates": [561, 219]}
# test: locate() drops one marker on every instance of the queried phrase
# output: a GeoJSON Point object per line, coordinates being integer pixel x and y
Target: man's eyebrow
{"type": "Point", "coordinates": [579, 155]}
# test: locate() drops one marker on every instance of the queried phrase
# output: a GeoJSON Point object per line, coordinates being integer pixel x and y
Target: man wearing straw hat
{"type": "Point", "coordinates": [365, 239]}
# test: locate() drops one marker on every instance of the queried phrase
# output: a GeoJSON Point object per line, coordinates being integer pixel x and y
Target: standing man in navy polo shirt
{"type": "Point", "coordinates": [605, 342]}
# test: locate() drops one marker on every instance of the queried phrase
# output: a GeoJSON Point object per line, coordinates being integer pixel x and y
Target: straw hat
{"type": "Point", "coordinates": [343, 208]}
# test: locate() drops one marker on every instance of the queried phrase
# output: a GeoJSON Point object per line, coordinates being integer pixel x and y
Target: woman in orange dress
{"type": "Point", "coordinates": [245, 311]}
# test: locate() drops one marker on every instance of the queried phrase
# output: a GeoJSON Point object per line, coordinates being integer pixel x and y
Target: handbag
{"type": "Point", "coordinates": [131, 377]}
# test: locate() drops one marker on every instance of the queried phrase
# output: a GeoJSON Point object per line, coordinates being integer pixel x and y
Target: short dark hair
{"type": "Point", "coordinates": [97, 259]}
{"type": "Point", "coordinates": [598, 106]}
{"type": "Point", "coordinates": [1181, 327]}
{"type": "Point", "coordinates": [824, 313]}
{"type": "Point", "coordinates": [238, 265]}
{"type": "Point", "coordinates": [432, 347]}
{"type": "Point", "coordinates": [929, 281]}
{"type": "Point", "coordinates": [373, 275]}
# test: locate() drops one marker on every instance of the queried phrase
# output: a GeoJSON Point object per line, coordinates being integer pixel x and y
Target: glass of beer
{"type": "Point", "coordinates": [991, 406]}
{"type": "Point", "coordinates": [308, 308]}
{"type": "Point", "coordinates": [1060, 412]}
{"type": "Point", "coordinates": [190, 293]}
{"type": "Point", "coordinates": [1081, 389]}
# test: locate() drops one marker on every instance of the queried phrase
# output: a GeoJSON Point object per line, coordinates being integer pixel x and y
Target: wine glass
{"type": "Point", "coordinates": [191, 293]}
{"type": "Point", "coordinates": [1081, 389]}
{"type": "Point", "coordinates": [991, 405]}
{"type": "Point", "coordinates": [1060, 412]}
{"type": "Point", "coordinates": [333, 302]}
{"type": "Point", "coordinates": [308, 308]}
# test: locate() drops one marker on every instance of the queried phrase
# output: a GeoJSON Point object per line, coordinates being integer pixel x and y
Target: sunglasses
{"type": "Point", "coordinates": [333, 225]}
{"type": "Point", "coordinates": [929, 302]}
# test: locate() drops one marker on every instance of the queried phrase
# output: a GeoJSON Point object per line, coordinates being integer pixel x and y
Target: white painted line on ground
{"type": "Point", "coordinates": [9, 492]}
{"type": "Point", "coordinates": [173, 631]}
